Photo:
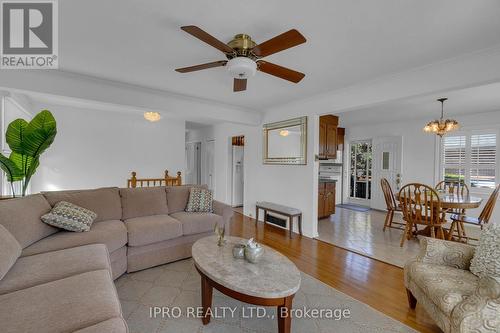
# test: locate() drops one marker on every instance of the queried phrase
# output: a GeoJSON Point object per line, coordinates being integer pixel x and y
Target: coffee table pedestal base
{"type": "Point", "coordinates": [284, 304]}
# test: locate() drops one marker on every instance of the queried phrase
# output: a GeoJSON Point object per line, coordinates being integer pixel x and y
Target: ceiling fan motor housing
{"type": "Point", "coordinates": [241, 67]}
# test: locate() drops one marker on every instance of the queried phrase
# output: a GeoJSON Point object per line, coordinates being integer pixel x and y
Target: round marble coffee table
{"type": "Point", "coordinates": [273, 281]}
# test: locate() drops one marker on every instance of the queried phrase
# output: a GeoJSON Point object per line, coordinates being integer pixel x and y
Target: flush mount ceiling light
{"type": "Point", "coordinates": [284, 132]}
{"type": "Point", "coordinates": [441, 126]}
{"type": "Point", "coordinates": [152, 116]}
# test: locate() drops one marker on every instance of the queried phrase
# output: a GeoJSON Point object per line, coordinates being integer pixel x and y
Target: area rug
{"type": "Point", "coordinates": [357, 208]}
{"type": "Point", "coordinates": [177, 286]}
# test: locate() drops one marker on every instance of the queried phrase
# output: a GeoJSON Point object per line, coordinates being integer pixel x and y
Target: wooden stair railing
{"type": "Point", "coordinates": [149, 182]}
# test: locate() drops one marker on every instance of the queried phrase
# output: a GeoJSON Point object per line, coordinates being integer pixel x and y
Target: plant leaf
{"type": "Point", "coordinates": [11, 170]}
{"type": "Point", "coordinates": [23, 162]}
{"type": "Point", "coordinates": [39, 134]}
{"type": "Point", "coordinates": [33, 165]}
{"type": "Point", "coordinates": [15, 135]}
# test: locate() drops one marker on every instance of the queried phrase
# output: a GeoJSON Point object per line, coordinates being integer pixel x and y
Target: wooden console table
{"type": "Point", "coordinates": [279, 209]}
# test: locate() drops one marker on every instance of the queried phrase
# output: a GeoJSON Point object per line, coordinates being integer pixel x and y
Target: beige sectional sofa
{"type": "Point", "coordinates": [60, 281]}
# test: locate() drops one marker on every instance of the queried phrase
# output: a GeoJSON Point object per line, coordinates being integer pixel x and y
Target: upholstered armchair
{"type": "Point", "coordinates": [440, 281]}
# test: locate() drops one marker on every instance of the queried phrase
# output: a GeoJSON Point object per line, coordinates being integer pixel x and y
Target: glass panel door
{"type": "Point", "coordinates": [361, 169]}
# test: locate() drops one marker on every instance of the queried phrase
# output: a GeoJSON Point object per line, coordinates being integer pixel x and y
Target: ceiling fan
{"type": "Point", "coordinates": [244, 55]}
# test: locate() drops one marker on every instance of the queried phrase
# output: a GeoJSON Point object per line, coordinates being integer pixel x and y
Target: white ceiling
{"type": "Point", "coordinates": [460, 102]}
{"type": "Point", "coordinates": [349, 41]}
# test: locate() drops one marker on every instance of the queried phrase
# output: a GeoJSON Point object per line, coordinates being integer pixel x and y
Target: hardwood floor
{"type": "Point", "coordinates": [372, 282]}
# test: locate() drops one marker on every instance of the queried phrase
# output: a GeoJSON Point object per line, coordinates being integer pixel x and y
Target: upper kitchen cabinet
{"type": "Point", "coordinates": [330, 136]}
{"type": "Point", "coordinates": [340, 138]}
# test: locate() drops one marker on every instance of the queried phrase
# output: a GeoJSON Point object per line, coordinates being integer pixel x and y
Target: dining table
{"type": "Point", "coordinates": [452, 201]}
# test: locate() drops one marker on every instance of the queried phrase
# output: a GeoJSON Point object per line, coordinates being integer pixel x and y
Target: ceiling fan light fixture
{"type": "Point", "coordinates": [241, 67]}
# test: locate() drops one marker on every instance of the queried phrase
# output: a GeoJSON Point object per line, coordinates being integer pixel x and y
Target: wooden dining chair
{"type": "Point", "coordinates": [421, 205]}
{"type": "Point", "coordinates": [453, 187]}
{"type": "Point", "coordinates": [458, 188]}
{"type": "Point", "coordinates": [391, 205]}
{"type": "Point", "coordinates": [458, 220]}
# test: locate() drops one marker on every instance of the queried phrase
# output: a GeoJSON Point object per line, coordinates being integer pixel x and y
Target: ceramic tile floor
{"type": "Point", "coordinates": [361, 232]}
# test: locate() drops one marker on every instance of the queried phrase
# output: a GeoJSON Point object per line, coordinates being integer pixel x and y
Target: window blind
{"type": "Point", "coordinates": [454, 156]}
{"type": "Point", "coordinates": [483, 160]}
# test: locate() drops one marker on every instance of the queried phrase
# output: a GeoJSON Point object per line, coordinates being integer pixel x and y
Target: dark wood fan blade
{"type": "Point", "coordinates": [202, 66]}
{"type": "Point", "coordinates": [281, 72]}
{"type": "Point", "coordinates": [207, 38]}
{"type": "Point", "coordinates": [279, 43]}
{"type": "Point", "coordinates": [240, 85]}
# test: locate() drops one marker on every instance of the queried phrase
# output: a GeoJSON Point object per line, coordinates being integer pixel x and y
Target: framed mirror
{"type": "Point", "coordinates": [285, 142]}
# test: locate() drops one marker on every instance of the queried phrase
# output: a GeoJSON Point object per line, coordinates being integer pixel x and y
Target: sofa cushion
{"type": "Point", "coordinates": [195, 223]}
{"type": "Point", "coordinates": [113, 325]}
{"type": "Point", "coordinates": [10, 250]}
{"type": "Point", "coordinates": [177, 197]}
{"type": "Point", "coordinates": [111, 233]}
{"type": "Point", "coordinates": [445, 286]}
{"type": "Point", "coordinates": [105, 202]}
{"type": "Point", "coordinates": [486, 260]}
{"type": "Point", "coordinates": [50, 266]}
{"type": "Point", "coordinates": [21, 217]}
{"type": "Point", "coordinates": [64, 305]}
{"type": "Point", "coordinates": [145, 201]}
{"type": "Point", "coordinates": [151, 229]}
{"type": "Point", "coordinates": [71, 217]}
{"type": "Point", "coordinates": [200, 200]}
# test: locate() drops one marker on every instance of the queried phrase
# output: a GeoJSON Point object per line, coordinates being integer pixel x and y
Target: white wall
{"type": "Point", "coordinates": [290, 185]}
{"type": "Point", "coordinates": [419, 148]}
{"type": "Point", "coordinates": [95, 148]}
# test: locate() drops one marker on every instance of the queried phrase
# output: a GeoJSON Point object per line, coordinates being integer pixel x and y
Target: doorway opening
{"type": "Point", "coordinates": [209, 166]}
{"type": "Point", "coordinates": [237, 170]}
{"type": "Point", "coordinates": [360, 171]}
{"type": "Point", "coordinates": [193, 163]}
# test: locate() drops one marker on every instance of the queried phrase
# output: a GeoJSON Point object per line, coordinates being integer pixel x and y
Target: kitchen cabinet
{"type": "Point", "coordinates": [328, 136]}
{"type": "Point", "coordinates": [340, 138]}
{"type": "Point", "coordinates": [326, 199]}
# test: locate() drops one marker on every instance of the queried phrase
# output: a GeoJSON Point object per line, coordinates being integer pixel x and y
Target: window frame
{"type": "Point", "coordinates": [468, 133]}
{"type": "Point", "coordinates": [5, 188]}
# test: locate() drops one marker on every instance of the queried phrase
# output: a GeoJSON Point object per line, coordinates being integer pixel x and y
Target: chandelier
{"type": "Point", "coordinates": [152, 116]}
{"type": "Point", "coordinates": [441, 126]}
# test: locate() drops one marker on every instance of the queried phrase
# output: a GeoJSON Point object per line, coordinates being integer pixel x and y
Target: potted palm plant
{"type": "Point", "coordinates": [27, 142]}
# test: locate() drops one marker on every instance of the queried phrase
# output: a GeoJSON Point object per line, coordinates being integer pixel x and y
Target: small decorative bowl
{"type": "Point", "coordinates": [239, 251]}
{"type": "Point", "coordinates": [253, 254]}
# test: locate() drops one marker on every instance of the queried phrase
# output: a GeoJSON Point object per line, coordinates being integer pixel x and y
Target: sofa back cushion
{"type": "Point", "coordinates": [143, 201]}
{"type": "Point", "coordinates": [10, 250]}
{"type": "Point", "coordinates": [486, 260]}
{"type": "Point", "coordinates": [105, 202]}
{"type": "Point", "coordinates": [178, 196]}
{"type": "Point", "coordinates": [21, 217]}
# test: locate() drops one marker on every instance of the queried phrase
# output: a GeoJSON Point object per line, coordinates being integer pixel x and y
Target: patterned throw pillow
{"type": "Point", "coordinates": [68, 216]}
{"type": "Point", "coordinates": [200, 200]}
{"type": "Point", "coordinates": [486, 260]}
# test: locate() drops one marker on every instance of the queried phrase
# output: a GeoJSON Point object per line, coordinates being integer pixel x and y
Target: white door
{"type": "Point", "coordinates": [387, 163]}
{"type": "Point", "coordinates": [237, 177]}
{"type": "Point", "coordinates": [193, 165]}
{"type": "Point", "coordinates": [210, 165]}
